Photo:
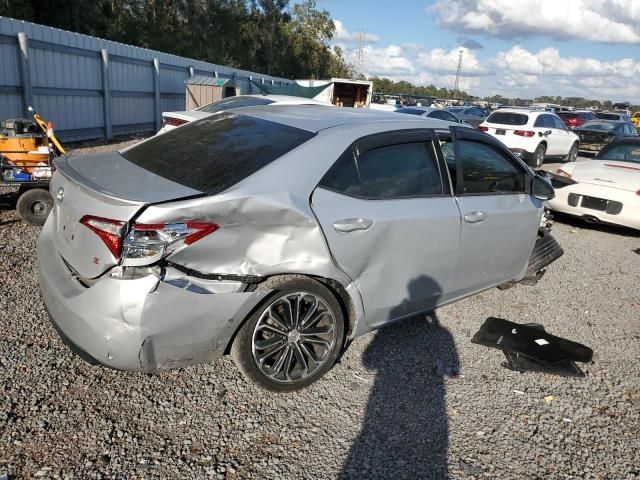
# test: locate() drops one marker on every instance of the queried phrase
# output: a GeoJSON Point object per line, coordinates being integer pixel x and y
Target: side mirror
{"type": "Point", "coordinates": [541, 188]}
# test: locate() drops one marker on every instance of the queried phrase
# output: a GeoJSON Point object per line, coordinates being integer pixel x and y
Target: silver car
{"type": "Point", "coordinates": [278, 234]}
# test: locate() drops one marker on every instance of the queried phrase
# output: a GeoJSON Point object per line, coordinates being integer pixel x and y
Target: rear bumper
{"type": "Point", "coordinates": [137, 324]}
{"type": "Point", "coordinates": [569, 200]}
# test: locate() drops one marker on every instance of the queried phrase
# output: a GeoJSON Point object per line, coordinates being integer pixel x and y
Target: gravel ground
{"type": "Point", "coordinates": [383, 412]}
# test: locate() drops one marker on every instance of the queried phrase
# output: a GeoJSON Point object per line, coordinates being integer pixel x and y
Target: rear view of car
{"type": "Point", "coordinates": [575, 119]}
{"type": "Point", "coordinates": [534, 135]}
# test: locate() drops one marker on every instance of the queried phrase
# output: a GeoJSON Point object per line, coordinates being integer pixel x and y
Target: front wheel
{"type": "Point", "coordinates": [34, 206]}
{"type": "Point", "coordinates": [538, 156]}
{"type": "Point", "coordinates": [293, 338]}
{"type": "Point", "coordinates": [573, 154]}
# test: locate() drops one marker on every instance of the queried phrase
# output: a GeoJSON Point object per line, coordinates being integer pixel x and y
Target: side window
{"type": "Point", "coordinates": [343, 176]}
{"type": "Point", "coordinates": [544, 121]}
{"type": "Point", "coordinates": [401, 170]}
{"type": "Point", "coordinates": [557, 123]}
{"type": "Point", "coordinates": [442, 115]}
{"type": "Point", "coordinates": [487, 170]}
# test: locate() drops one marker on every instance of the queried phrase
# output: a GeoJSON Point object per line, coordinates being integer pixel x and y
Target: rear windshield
{"type": "Point", "coordinates": [568, 115]}
{"type": "Point", "coordinates": [410, 111]}
{"type": "Point", "coordinates": [608, 116]}
{"type": "Point", "coordinates": [234, 102]}
{"type": "Point", "coordinates": [625, 153]}
{"type": "Point", "coordinates": [508, 118]}
{"type": "Point", "coordinates": [215, 153]}
{"type": "Point", "coordinates": [599, 126]}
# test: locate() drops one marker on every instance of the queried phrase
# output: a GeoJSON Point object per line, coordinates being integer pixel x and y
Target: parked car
{"type": "Point", "coordinates": [617, 116]}
{"type": "Point", "coordinates": [594, 135]}
{"type": "Point", "coordinates": [431, 113]}
{"type": "Point", "coordinates": [279, 234]}
{"type": "Point", "coordinates": [604, 189]}
{"type": "Point", "coordinates": [171, 120]}
{"type": "Point", "coordinates": [472, 115]}
{"type": "Point", "coordinates": [576, 118]}
{"type": "Point", "coordinates": [534, 135]}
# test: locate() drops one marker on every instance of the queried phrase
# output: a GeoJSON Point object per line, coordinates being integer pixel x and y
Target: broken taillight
{"type": "Point", "coordinates": [174, 122]}
{"type": "Point", "coordinates": [148, 243]}
{"type": "Point", "coordinates": [110, 231]}
{"type": "Point", "coordinates": [563, 173]}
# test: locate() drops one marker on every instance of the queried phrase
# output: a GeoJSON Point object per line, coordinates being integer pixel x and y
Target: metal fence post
{"type": "Point", "coordinates": [25, 72]}
{"type": "Point", "coordinates": [156, 91]}
{"type": "Point", "coordinates": [106, 95]}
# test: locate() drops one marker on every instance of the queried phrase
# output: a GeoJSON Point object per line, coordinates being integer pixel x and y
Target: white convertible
{"type": "Point", "coordinates": [605, 189]}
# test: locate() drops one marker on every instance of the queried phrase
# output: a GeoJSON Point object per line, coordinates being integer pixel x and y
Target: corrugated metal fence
{"type": "Point", "coordinates": [94, 88]}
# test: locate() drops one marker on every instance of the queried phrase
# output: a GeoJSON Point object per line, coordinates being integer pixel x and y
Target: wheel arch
{"type": "Point", "coordinates": [351, 311]}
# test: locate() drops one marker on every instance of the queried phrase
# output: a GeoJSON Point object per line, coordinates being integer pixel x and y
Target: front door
{"type": "Point", "coordinates": [391, 223]}
{"type": "Point", "coordinates": [499, 217]}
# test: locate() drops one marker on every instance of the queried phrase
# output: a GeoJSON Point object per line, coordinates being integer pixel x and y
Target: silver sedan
{"type": "Point", "coordinates": [278, 234]}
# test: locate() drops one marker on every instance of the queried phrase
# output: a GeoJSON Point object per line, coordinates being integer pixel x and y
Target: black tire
{"type": "Point", "coordinates": [537, 158]}
{"type": "Point", "coordinates": [242, 350]}
{"type": "Point", "coordinates": [34, 206]}
{"type": "Point", "coordinates": [572, 156]}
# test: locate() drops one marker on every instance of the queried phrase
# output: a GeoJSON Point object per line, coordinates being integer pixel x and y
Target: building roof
{"type": "Point", "coordinates": [212, 81]}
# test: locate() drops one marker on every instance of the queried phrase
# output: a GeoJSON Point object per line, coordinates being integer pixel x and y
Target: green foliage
{"type": "Point", "coordinates": [386, 86]}
{"type": "Point", "coordinates": [267, 36]}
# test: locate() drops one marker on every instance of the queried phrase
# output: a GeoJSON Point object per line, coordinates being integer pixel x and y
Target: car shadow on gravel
{"type": "Point", "coordinates": [405, 430]}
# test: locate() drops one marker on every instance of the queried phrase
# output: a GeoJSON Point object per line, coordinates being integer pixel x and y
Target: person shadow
{"type": "Point", "coordinates": [405, 429]}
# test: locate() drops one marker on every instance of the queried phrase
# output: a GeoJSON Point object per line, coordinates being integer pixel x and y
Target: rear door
{"type": "Point", "coordinates": [499, 217]}
{"type": "Point", "coordinates": [391, 223]}
{"type": "Point", "coordinates": [563, 135]}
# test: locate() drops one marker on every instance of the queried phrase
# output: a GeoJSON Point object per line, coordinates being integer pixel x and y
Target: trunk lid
{"type": "Point", "coordinates": [608, 173]}
{"type": "Point", "coordinates": [107, 186]}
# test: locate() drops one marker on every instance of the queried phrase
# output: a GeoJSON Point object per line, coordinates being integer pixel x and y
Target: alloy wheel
{"type": "Point", "coordinates": [294, 337]}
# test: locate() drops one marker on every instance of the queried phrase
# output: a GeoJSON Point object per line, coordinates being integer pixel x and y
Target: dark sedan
{"type": "Point", "coordinates": [596, 134]}
{"type": "Point", "coordinates": [472, 115]}
{"type": "Point", "coordinates": [430, 112]}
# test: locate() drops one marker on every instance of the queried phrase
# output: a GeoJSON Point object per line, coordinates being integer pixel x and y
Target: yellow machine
{"type": "Point", "coordinates": [27, 149]}
{"type": "Point", "coordinates": [635, 119]}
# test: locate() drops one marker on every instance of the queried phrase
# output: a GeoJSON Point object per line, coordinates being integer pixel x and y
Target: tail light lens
{"type": "Point", "coordinates": [174, 122]}
{"type": "Point", "coordinates": [148, 243]}
{"type": "Point", "coordinates": [110, 231]}
{"type": "Point", "coordinates": [563, 173]}
{"type": "Point", "coordinates": [524, 133]}
{"type": "Point", "coordinates": [483, 129]}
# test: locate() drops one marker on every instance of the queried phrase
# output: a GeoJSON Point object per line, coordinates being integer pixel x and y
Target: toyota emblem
{"type": "Point", "coordinates": [60, 195]}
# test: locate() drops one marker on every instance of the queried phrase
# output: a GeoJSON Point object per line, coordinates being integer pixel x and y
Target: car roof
{"type": "Point", "coordinates": [313, 118]}
{"type": "Point", "coordinates": [523, 111]}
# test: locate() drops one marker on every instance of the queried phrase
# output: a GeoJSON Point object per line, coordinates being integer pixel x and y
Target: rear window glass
{"type": "Point", "coordinates": [608, 116]}
{"type": "Point", "coordinates": [215, 153]}
{"type": "Point", "coordinates": [599, 126]}
{"type": "Point", "coordinates": [235, 102]}
{"type": "Point", "coordinates": [508, 118]}
{"type": "Point", "coordinates": [410, 111]}
{"type": "Point", "coordinates": [623, 153]}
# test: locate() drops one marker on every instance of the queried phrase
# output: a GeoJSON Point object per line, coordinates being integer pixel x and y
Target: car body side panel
{"type": "Point", "coordinates": [497, 249]}
{"type": "Point", "coordinates": [410, 240]}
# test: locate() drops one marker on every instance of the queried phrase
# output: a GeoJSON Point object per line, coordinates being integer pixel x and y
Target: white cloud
{"type": "Point", "coordinates": [516, 72]}
{"type": "Point", "coordinates": [342, 35]}
{"type": "Point", "coordinates": [606, 21]}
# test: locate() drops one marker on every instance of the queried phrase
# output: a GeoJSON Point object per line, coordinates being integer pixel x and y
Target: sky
{"type": "Point", "coordinates": [515, 48]}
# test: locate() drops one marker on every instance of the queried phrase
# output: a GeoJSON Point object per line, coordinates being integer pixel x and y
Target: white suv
{"type": "Point", "coordinates": [533, 135]}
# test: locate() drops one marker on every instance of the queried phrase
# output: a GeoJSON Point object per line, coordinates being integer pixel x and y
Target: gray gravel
{"type": "Point", "coordinates": [384, 412]}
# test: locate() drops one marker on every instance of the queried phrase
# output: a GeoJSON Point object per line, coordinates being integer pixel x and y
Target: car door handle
{"type": "Point", "coordinates": [352, 224]}
{"type": "Point", "coordinates": [475, 217]}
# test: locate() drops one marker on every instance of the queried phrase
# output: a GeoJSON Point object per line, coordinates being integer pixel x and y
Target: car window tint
{"type": "Point", "coordinates": [442, 115]}
{"type": "Point", "coordinates": [230, 104]}
{"type": "Point", "coordinates": [343, 176]}
{"type": "Point", "coordinates": [508, 118]}
{"type": "Point", "coordinates": [557, 123]}
{"type": "Point", "coordinates": [625, 153]}
{"type": "Point", "coordinates": [410, 111]}
{"type": "Point", "coordinates": [402, 170]}
{"type": "Point", "coordinates": [487, 170]}
{"type": "Point", "coordinates": [544, 121]}
{"type": "Point", "coordinates": [217, 152]}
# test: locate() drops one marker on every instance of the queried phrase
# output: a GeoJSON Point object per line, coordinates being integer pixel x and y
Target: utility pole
{"type": "Point", "coordinates": [456, 89]}
{"type": "Point", "coordinates": [360, 51]}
